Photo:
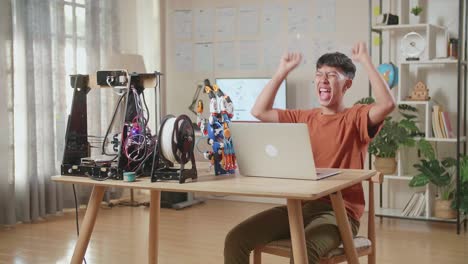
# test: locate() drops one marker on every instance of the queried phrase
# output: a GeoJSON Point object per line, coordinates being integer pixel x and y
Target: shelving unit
{"type": "Point", "coordinates": [430, 58]}
{"type": "Point", "coordinates": [396, 213]}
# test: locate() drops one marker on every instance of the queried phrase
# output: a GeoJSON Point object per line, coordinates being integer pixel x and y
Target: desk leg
{"type": "Point", "coordinates": [345, 228]}
{"type": "Point", "coordinates": [88, 224]}
{"type": "Point", "coordinates": [155, 206]}
{"type": "Point", "coordinates": [296, 226]}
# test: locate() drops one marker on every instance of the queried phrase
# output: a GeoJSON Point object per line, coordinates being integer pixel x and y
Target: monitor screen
{"type": "Point", "coordinates": [243, 93]}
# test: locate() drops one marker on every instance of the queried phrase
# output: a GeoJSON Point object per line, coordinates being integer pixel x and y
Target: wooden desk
{"type": "Point", "coordinates": [292, 190]}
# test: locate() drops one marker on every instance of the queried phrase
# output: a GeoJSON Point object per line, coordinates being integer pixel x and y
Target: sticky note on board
{"type": "Point", "coordinates": [376, 10]}
{"type": "Point", "coordinates": [376, 40]}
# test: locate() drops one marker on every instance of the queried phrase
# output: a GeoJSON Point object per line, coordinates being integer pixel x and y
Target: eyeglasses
{"type": "Point", "coordinates": [331, 75]}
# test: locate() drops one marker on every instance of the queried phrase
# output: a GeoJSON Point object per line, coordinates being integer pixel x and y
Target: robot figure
{"type": "Point", "coordinates": [230, 157]}
{"type": "Point", "coordinates": [217, 129]}
{"type": "Point", "coordinates": [226, 108]}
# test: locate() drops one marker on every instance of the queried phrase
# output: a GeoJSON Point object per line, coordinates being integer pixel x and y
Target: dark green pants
{"type": "Point", "coordinates": [321, 232]}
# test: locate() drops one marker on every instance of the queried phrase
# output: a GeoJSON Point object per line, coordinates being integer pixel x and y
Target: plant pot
{"type": "Point", "coordinates": [413, 20]}
{"type": "Point", "coordinates": [385, 165]}
{"type": "Point", "coordinates": [442, 209]}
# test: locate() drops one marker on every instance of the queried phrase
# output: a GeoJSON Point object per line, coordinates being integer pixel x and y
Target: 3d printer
{"type": "Point", "coordinates": [133, 146]}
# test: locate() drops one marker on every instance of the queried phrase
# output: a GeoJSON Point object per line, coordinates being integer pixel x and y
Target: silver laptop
{"type": "Point", "coordinates": [277, 150]}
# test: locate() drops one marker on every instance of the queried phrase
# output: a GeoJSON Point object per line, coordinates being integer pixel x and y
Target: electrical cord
{"type": "Point", "coordinates": [110, 79]}
{"type": "Point", "coordinates": [110, 126]}
{"type": "Point", "coordinates": [147, 110]}
{"type": "Point", "coordinates": [76, 216]}
{"type": "Point", "coordinates": [140, 166]}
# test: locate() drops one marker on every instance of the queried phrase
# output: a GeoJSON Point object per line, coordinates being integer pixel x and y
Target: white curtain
{"type": "Point", "coordinates": [7, 208]}
{"type": "Point", "coordinates": [39, 32]}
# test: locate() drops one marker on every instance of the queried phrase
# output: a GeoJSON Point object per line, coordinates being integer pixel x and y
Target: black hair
{"type": "Point", "coordinates": [338, 60]}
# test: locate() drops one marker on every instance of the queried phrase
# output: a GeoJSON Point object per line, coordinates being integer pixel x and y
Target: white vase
{"type": "Point", "coordinates": [414, 19]}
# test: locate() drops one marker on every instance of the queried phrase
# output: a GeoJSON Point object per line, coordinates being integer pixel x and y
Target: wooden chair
{"type": "Point", "coordinates": [365, 246]}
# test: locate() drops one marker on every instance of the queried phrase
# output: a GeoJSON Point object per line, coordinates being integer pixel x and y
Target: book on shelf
{"type": "Point", "coordinates": [441, 124]}
{"type": "Point", "coordinates": [415, 205]}
{"type": "Point", "coordinates": [410, 204]}
{"type": "Point", "coordinates": [447, 124]}
{"type": "Point", "coordinates": [436, 122]}
{"type": "Point", "coordinates": [420, 205]}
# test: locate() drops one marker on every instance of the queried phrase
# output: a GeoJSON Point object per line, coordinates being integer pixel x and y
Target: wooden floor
{"type": "Point", "coordinates": [196, 235]}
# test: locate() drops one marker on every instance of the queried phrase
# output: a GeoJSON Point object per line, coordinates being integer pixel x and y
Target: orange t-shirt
{"type": "Point", "coordinates": [338, 141]}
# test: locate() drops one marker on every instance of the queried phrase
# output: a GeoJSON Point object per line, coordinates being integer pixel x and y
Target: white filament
{"type": "Point", "coordinates": [166, 139]}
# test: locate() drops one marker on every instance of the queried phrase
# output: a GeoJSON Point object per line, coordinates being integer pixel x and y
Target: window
{"type": "Point", "coordinates": [75, 36]}
{"type": "Point", "coordinates": [74, 15]}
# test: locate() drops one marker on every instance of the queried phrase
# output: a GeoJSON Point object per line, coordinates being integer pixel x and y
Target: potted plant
{"type": "Point", "coordinates": [414, 14]}
{"type": "Point", "coordinates": [439, 173]}
{"type": "Point", "coordinates": [395, 133]}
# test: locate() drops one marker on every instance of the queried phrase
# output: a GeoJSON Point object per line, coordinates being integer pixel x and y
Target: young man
{"type": "Point", "coordinates": [339, 137]}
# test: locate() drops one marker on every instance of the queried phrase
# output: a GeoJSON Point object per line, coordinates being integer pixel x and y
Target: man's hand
{"type": "Point", "coordinates": [359, 53]}
{"type": "Point", "coordinates": [288, 62]}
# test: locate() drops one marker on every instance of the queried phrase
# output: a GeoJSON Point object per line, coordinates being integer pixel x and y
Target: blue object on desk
{"type": "Point", "coordinates": [129, 176]}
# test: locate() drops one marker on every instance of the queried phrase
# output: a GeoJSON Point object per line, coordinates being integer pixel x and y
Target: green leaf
{"type": "Point", "coordinates": [449, 162]}
{"type": "Point", "coordinates": [416, 10]}
{"type": "Point", "coordinates": [427, 151]}
{"type": "Point", "coordinates": [405, 107]}
{"type": "Point", "coordinates": [409, 116]}
{"type": "Point", "coordinates": [366, 100]}
{"type": "Point", "coordinates": [409, 141]}
{"type": "Point", "coordinates": [436, 173]}
{"type": "Point", "coordinates": [409, 125]}
{"type": "Point", "coordinates": [463, 201]}
{"type": "Point", "coordinates": [464, 169]}
{"type": "Point", "coordinates": [419, 180]}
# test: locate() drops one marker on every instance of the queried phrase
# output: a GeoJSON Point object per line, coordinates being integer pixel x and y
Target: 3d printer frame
{"type": "Point", "coordinates": [76, 157]}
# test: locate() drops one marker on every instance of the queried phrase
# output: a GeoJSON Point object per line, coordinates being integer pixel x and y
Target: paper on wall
{"type": "Point", "coordinates": [225, 56]}
{"type": "Point", "coordinates": [225, 23]}
{"type": "Point", "coordinates": [248, 55]}
{"type": "Point", "coordinates": [272, 53]}
{"type": "Point", "coordinates": [298, 18]}
{"type": "Point", "coordinates": [183, 56]}
{"type": "Point", "coordinates": [248, 22]}
{"type": "Point", "coordinates": [324, 18]}
{"type": "Point", "coordinates": [271, 20]}
{"type": "Point", "coordinates": [183, 24]}
{"type": "Point", "coordinates": [204, 24]}
{"type": "Point", "coordinates": [203, 57]}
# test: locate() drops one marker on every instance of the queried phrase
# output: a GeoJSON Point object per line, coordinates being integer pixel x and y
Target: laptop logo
{"type": "Point", "coordinates": [271, 150]}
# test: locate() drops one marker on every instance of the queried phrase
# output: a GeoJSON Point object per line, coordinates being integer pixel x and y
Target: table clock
{"type": "Point", "coordinates": [412, 46]}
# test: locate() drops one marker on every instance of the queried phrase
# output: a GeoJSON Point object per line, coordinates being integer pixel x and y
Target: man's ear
{"type": "Point", "coordinates": [347, 85]}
